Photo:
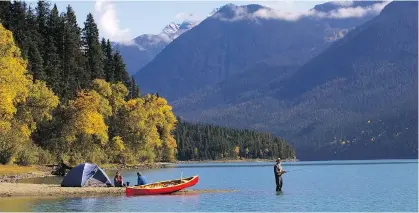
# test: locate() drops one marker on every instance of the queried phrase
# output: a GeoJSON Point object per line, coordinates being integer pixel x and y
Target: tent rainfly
{"type": "Point", "coordinates": [79, 175]}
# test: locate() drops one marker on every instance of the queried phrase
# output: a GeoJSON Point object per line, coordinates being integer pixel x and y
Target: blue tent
{"type": "Point", "coordinates": [79, 175]}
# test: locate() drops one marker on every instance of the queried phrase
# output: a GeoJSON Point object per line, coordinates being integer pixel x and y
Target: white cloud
{"type": "Point", "coordinates": [268, 13]}
{"type": "Point", "coordinates": [109, 23]}
{"type": "Point", "coordinates": [357, 11]}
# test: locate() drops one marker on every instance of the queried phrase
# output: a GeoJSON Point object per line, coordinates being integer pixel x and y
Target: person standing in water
{"type": "Point", "coordinates": [278, 171]}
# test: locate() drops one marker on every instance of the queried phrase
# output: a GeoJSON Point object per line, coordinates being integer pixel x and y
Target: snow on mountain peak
{"type": "Point", "coordinates": [172, 28]}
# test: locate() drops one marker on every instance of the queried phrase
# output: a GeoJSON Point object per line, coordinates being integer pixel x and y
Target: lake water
{"type": "Point", "coordinates": [380, 185]}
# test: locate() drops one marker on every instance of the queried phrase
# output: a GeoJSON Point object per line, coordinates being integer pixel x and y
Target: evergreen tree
{"type": "Point", "coordinates": [74, 76]}
{"type": "Point", "coordinates": [120, 72]}
{"type": "Point", "coordinates": [134, 90]}
{"type": "Point", "coordinates": [92, 48]}
{"type": "Point", "coordinates": [35, 66]}
{"type": "Point", "coordinates": [5, 13]}
{"type": "Point", "coordinates": [32, 38]}
{"type": "Point", "coordinates": [108, 61]}
{"type": "Point", "coordinates": [18, 26]}
{"type": "Point", "coordinates": [53, 67]}
{"type": "Point", "coordinates": [42, 15]}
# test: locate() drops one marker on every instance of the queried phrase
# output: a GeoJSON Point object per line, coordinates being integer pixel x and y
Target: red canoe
{"type": "Point", "coordinates": [164, 187]}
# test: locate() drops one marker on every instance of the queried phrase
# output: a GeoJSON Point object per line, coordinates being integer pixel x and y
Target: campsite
{"type": "Point", "coordinates": [85, 179]}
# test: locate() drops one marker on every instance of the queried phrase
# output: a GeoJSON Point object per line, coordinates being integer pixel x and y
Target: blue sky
{"type": "Point", "coordinates": [124, 20]}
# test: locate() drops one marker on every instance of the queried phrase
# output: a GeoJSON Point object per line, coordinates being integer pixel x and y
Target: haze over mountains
{"type": "Point", "coordinates": [338, 82]}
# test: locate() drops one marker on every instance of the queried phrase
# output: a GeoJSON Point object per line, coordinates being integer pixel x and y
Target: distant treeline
{"type": "Point", "coordinates": [210, 142]}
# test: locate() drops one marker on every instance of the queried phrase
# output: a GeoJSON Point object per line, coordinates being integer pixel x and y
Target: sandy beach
{"type": "Point", "coordinates": [27, 189]}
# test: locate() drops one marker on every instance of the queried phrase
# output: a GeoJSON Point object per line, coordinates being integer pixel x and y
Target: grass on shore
{"type": "Point", "coordinates": [16, 170]}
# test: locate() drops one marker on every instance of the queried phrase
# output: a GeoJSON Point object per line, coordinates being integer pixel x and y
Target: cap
{"type": "Point", "coordinates": [279, 159]}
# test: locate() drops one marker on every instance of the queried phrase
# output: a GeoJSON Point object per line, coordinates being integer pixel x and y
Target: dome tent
{"type": "Point", "coordinates": [79, 175]}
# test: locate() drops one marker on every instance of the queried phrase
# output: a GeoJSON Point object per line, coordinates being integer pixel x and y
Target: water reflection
{"type": "Point", "coordinates": [120, 203]}
{"type": "Point", "coordinates": [25, 204]}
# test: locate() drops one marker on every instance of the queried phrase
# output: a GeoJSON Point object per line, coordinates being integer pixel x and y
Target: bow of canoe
{"type": "Point", "coordinates": [163, 187]}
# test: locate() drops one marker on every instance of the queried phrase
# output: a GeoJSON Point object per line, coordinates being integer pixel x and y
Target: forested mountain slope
{"type": "Point", "coordinates": [370, 74]}
{"type": "Point", "coordinates": [238, 38]}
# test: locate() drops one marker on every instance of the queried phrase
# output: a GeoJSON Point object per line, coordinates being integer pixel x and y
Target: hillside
{"type": "Point", "coordinates": [369, 74]}
{"type": "Point", "coordinates": [210, 142]}
{"type": "Point", "coordinates": [238, 38]}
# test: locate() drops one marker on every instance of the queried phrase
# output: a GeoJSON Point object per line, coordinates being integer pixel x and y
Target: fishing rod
{"type": "Point", "coordinates": [294, 170]}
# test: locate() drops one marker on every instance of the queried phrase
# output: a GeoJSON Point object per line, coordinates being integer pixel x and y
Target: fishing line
{"type": "Point", "coordinates": [295, 170]}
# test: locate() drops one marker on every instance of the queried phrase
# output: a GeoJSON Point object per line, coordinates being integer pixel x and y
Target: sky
{"type": "Point", "coordinates": [124, 20]}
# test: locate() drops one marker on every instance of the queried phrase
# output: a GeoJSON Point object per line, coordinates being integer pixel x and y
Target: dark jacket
{"type": "Point", "coordinates": [141, 180]}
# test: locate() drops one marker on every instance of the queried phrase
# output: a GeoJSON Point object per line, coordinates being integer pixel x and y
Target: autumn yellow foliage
{"type": "Point", "coordinates": [14, 83]}
{"type": "Point", "coordinates": [87, 115]}
{"type": "Point", "coordinates": [99, 125]}
{"type": "Point", "coordinates": [23, 104]}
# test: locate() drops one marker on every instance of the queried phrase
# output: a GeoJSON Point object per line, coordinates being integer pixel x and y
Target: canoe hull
{"type": "Point", "coordinates": [143, 190]}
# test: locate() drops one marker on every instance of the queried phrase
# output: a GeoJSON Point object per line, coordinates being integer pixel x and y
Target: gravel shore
{"type": "Point", "coordinates": [26, 189]}
{"type": "Point", "coordinates": [16, 177]}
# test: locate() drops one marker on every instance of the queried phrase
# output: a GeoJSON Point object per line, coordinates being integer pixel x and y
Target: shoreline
{"type": "Point", "coordinates": [233, 161]}
{"type": "Point", "coordinates": [14, 173]}
{"type": "Point", "coordinates": [55, 190]}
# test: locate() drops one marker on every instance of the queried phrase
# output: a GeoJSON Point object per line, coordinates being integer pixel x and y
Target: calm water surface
{"type": "Point", "coordinates": [382, 185]}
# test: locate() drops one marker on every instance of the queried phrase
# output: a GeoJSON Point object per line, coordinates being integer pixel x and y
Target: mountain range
{"type": "Point", "coordinates": [240, 38]}
{"type": "Point", "coordinates": [142, 49]}
{"type": "Point", "coordinates": [338, 82]}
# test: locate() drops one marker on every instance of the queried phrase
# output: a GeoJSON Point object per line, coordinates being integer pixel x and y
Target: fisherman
{"type": "Point", "coordinates": [140, 179]}
{"type": "Point", "coordinates": [278, 171]}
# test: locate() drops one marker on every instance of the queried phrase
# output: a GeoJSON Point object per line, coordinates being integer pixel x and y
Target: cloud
{"type": "Point", "coordinates": [109, 23]}
{"type": "Point", "coordinates": [241, 13]}
{"type": "Point", "coordinates": [357, 11]}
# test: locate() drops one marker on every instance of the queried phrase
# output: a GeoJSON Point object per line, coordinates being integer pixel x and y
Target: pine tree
{"type": "Point", "coordinates": [92, 48]}
{"type": "Point", "coordinates": [108, 60]}
{"type": "Point", "coordinates": [32, 39]}
{"type": "Point", "coordinates": [42, 15]}
{"type": "Point", "coordinates": [134, 91]}
{"type": "Point", "coordinates": [53, 67]}
{"type": "Point", "coordinates": [74, 77]}
{"type": "Point", "coordinates": [120, 72]}
{"type": "Point", "coordinates": [5, 13]}
{"type": "Point", "coordinates": [18, 26]}
{"type": "Point", "coordinates": [35, 66]}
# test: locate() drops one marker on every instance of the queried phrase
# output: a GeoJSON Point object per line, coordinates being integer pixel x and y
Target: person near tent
{"type": "Point", "coordinates": [118, 180]}
{"type": "Point", "coordinates": [62, 167]}
{"type": "Point", "coordinates": [140, 179]}
{"type": "Point", "coordinates": [278, 171]}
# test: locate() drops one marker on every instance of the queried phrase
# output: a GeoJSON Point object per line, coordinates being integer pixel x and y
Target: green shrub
{"type": "Point", "coordinates": [44, 157]}
{"type": "Point", "coordinates": [28, 156]}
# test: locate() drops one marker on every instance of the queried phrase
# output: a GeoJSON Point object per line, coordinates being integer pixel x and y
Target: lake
{"type": "Point", "coordinates": [378, 185]}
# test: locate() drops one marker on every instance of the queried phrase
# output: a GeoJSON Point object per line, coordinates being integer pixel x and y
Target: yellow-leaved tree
{"type": "Point", "coordinates": [22, 104]}
{"type": "Point", "coordinates": [161, 117]}
{"type": "Point", "coordinates": [14, 83]}
{"type": "Point", "coordinates": [85, 130]}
